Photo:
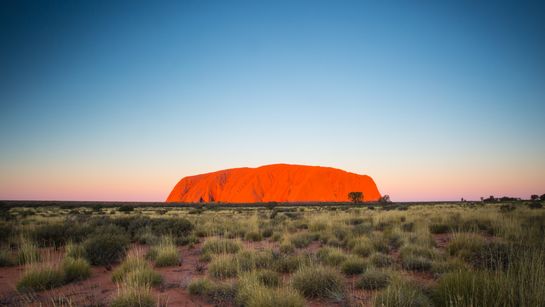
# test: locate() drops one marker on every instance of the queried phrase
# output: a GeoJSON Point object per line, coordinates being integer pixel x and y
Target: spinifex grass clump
{"type": "Point", "coordinates": [6, 258]}
{"type": "Point", "coordinates": [331, 256]}
{"type": "Point", "coordinates": [40, 276]}
{"type": "Point", "coordinates": [253, 292]}
{"type": "Point", "coordinates": [74, 250]}
{"type": "Point", "coordinates": [135, 270]}
{"type": "Point", "coordinates": [373, 279]}
{"type": "Point", "coordinates": [317, 281]}
{"type": "Point", "coordinates": [402, 294]}
{"type": "Point", "coordinates": [165, 253]}
{"type": "Point", "coordinates": [75, 269]}
{"type": "Point", "coordinates": [223, 266]}
{"type": "Point", "coordinates": [27, 252]}
{"type": "Point", "coordinates": [130, 295]}
{"type": "Point", "coordinates": [216, 292]}
{"type": "Point", "coordinates": [353, 266]}
{"type": "Point", "coordinates": [221, 246]}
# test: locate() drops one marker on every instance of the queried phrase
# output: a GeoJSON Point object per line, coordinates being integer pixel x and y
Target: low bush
{"type": "Point", "coordinates": [51, 234]}
{"type": "Point", "coordinates": [318, 281]}
{"type": "Point", "coordinates": [353, 266]}
{"type": "Point", "coordinates": [471, 288]}
{"type": "Point", "coordinates": [268, 278]}
{"type": "Point", "coordinates": [165, 253]}
{"type": "Point", "coordinates": [401, 294]}
{"type": "Point", "coordinates": [75, 269]}
{"type": "Point", "coordinates": [363, 247]}
{"type": "Point", "coordinates": [106, 245]}
{"type": "Point", "coordinates": [464, 245]}
{"type": "Point", "coordinates": [287, 248]}
{"type": "Point", "coordinates": [132, 296]}
{"type": "Point", "coordinates": [289, 264]}
{"type": "Point", "coordinates": [301, 240]}
{"type": "Point", "coordinates": [40, 277]}
{"type": "Point", "coordinates": [219, 293]}
{"type": "Point", "coordinates": [438, 228]}
{"type": "Point", "coordinates": [492, 256]}
{"type": "Point", "coordinates": [254, 236]}
{"type": "Point", "coordinates": [221, 246]}
{"type": "Point", "coordinates": [135, 271]}
{"type": "Point", "coordinates": [6, 258]}
{"type": "Point", "coordinates": [381, 260]}
{"type": "Point", "coordinates": [223, 266]}
{"type": "Point", "coordinates": [27, 252]}
{"type": "Point", "coordinates": [251, 292]}
{"type": "Point", "coordinates": [373, 280]}
{"type": "Point", "coordinates": [331, 256]}
{"type": "Point", "coordinates": [416, 263]}
{"type": "Point", "coordinates": [199, 286]}
{"type": "Point", "coordinates": [74, 250]}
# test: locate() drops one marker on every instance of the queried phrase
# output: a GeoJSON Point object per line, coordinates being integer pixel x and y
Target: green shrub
{"type": "Point", "coordinates": [106, 246]}
{"type": "Point", "coordinates": [373, 280]}
{"type": "Point", "coordinates": [214, 292]}
{"type": "Point", "coordinates": [318, 281]}
{"type": "Point", "coordinates": [130, 296]}
{"type": "Point", "coordinates": [75, 269]}
{"type": "Point", "coordinates": [401, 294]}
{"type": "Point", "coordinates": [254, 236]}
{"type": "Point", "coordinates": [301, 240]}
{"type": "Point", "coordinates": [27, 253]}
{"type": "Point", "coordinates": [50, 234]}
{"type": "Point", "coordinates": [6, 258]}
{"type": "Point", "coordinates": [135, 271]}
{"type": "Point", "coordinates": [471, 288]}
{"type": "Point", "coordinates": [74, 250]}
{"type": "Point", "coordinates": [38, 278]}
{"type": "Point", "coordinates": [125, 209]}
{"type": "Point", "coordinates": [363, 247]}
{"type": "Point", "coordinates": [353, 266]}
{"type": "Point", "coordinates": [407, 227]}
{"type": "Point", "coordinates": [289, 264]}
{"type": "Point", "coordinates": [439, 228]}
{"type": "Point", "coordinates": [287, 248]}
{"type": "Point", "coordinates": [221, 246]}
{"type": "Point", "coordinates": [331, 256]}
{"type": "Point", "coordinates": [253, 293]}
{"type": "Point", "coordinates": [165, 253]}
{"type": "Point", "coordinates": [465, 245]}
{"type": "Point", "coordinates": [416, 263]}
{"type": "Point", "coordinates": [492, 256]}
{"type": "Point", "coordinates": [268, 278]}
{"type": "Point", "coordinates": [199, 286]}
{"type": "Point", "coordinates": [381, 260]}
{"type": "Point", "coordinates": [223, 266]}
{"type": "Point", "coordinates": [451, 265]}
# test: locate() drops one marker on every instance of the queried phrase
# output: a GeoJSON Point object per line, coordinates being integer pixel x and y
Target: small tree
{"type": "Point", "coordinates": [534, 197]}
{"type": "Point", "coordinates": [355, 197]}
{"type": "Point", "coordinates": [542, 197]}
{"type": "Point", "coordinates": [384, 199]}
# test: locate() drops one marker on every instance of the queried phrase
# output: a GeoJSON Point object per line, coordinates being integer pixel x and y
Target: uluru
{"type": "Point", "coordinates": [275, 182]}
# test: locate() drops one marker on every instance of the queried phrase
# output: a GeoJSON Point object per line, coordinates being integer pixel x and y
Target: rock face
{"type": "Point", "coordinates": [276, 182]}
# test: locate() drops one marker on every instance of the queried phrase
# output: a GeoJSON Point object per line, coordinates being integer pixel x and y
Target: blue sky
{"type": "Point", "coordinates": [119, 101]}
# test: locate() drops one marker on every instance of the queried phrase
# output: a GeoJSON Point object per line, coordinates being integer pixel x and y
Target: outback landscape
{"type": "Point", "coordinates": [302, 153]}
{"type": "Point", "coordinates": [366, 254]}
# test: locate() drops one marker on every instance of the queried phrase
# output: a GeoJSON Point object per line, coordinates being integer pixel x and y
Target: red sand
{"type": "Point", "coordinates": [277, 182]}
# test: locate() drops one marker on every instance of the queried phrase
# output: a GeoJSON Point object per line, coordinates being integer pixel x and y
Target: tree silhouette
{"type": "Point", "coordinates": [355, 197]}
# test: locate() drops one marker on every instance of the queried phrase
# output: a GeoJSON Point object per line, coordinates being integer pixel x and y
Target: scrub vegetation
{"type": "Point", "coordinates": [456, 254]}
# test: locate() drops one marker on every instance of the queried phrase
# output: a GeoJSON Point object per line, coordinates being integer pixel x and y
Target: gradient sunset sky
{"type": "Point", "coordinates": [104, 101]}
